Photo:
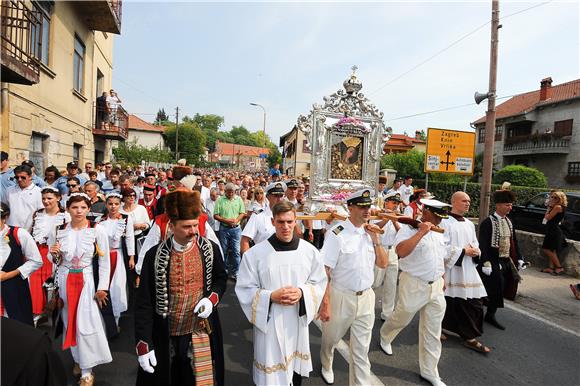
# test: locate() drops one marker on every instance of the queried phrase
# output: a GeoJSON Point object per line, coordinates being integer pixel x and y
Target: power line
{"type": "Point", "coordinates": [452, 45]}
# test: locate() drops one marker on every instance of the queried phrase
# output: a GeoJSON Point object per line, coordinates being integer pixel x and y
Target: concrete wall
{"type": "Point", "coordinates": [147, 138]}
{"type": "Point", "coordinates": [51, 107]}
{"type": "Point", "coordinates": [531, 247]}
{"type": "Point", "coordinates": [299, 163]}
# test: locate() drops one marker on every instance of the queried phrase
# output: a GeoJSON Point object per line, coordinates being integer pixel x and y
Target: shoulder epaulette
{"type": "Point", "coordinates": [338, 229]}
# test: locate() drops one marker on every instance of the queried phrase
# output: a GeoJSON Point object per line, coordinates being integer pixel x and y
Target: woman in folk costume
{"type": "Point", "coordinates": [177, 329]}
{"type": "Point", "coordinates": [74, 246]}
{"type": "Point", "coordinates": [19, 258]}
{"type": "Point", "coordinates": [44, 222]}
{"type": "Point", "coordinates": [119, 229]}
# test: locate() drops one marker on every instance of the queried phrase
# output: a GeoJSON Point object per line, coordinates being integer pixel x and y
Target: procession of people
{"type": "Point", "coordinates": [165, 245]}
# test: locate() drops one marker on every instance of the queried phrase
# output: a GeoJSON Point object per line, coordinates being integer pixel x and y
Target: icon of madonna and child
{"type": "Point", "coordinates": [346, 158]}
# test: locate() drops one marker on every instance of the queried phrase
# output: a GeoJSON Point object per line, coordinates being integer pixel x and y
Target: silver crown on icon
{"type": "Point", "coordinates": [352, 84]}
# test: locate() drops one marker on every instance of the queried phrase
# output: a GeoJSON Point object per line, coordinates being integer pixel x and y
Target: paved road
{"type": "Point", "coordinates": [529, 352]}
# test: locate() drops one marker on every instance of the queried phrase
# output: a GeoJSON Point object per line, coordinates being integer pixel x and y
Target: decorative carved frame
{"type": "Point", "coordinates": [318, 128]}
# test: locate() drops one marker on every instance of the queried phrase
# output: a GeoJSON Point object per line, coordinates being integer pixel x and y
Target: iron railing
{"type": "Point", "coordinates": [533, 145]}
{"type": "Point", "coordinates": [110, 123]}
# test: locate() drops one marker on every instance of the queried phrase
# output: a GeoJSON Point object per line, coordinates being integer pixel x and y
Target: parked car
{"type": "Point", "coordinates": [529, 217]}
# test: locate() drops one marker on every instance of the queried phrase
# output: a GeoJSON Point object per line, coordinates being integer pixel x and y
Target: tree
{"type": "Point", "coordinates": [132, 153]}
{"type": "Point", "coordinates": [192, 141]}
{"type": "Point", "coordinates": [210, 124]}
{"type": "Point", "coordinates": [410, 163]}
{"type": "Point", "coordinates": [520, 175]}
{"type": "Point", "coordinates": [161, 117]}
{"type": "Point", "coordinates": [274, 156]}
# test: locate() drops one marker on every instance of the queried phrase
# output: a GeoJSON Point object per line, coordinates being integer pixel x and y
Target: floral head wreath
{"type": "Point", "coordinates": [115, 195]}
{"type": "Point", "coordinates": [52, 189]}
{"type": "Point", "coordinates": [83, 195]}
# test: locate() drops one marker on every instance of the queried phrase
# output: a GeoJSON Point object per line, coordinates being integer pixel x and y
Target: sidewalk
{"type": "Point", "coordinates": [549, 297]}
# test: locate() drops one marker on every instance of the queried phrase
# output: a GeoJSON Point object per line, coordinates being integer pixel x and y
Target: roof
{"type": "Point", "coordinates": [402, 140]}
{"type": "Point", "coordinates": [284, 136]}
{"type": "Point", "coordinates": [136, 123]}
{"type": "Point", "coordinates": [526, 102]}
{"type": "Point", "coordinates": [223, 148]}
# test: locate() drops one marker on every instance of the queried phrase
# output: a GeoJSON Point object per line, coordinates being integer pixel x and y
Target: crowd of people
{"type": "Point", "coordinates": [81, 249]}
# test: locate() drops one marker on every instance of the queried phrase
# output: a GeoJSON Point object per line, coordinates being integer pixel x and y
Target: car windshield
{"type": "Point", "coordinates": [539, 201]}
{"type": "Point", "coordinates": [573, 204]}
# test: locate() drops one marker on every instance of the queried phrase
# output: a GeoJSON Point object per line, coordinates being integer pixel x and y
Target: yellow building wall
{"type": "Point", "coordinates": [51, 107]}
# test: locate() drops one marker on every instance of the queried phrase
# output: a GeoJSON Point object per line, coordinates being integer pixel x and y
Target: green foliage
{"type": "Point", "coordinates": [521, 175]}
{"type": "Point", "coordinates": [161, 118]}
{"type": "Point", "coordinates": [132, 154]}
{"type": "Point", "coordinates": [410, 163]}
{"type": "Point", "coordinates": [191, 143]}
{"type": "Point", "coordinates": [274, 157]}
{"type": "Point", "coordinates": [210, 124]}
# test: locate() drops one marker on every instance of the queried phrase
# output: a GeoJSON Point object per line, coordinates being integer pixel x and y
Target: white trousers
{"type": "Point", "coordinates": [388, 290]}
{"type": "Point", "coordinates": [429, 299]}
{"type": "Point", "coordinates": [347, 310]}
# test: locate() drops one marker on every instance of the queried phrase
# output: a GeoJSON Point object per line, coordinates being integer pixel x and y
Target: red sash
{"type": "Point", "coordinates": [113, 254]}
{"type": "Point", "coordinates": [37, 279]}
{"type": "Point", "coordinates": [74, 287]}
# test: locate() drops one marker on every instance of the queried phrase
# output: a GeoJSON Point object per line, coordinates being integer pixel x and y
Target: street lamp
{"type": "Point", "coordinates": [264, 127]}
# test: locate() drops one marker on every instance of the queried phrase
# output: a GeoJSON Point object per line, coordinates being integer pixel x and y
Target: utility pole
{"type": "Point", "coordinates": [177, 133]}
{"type": "Point", "coordinates": [485, 193]}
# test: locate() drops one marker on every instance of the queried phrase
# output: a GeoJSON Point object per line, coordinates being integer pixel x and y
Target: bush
{"type": "Point", "coordinates": [521, 176]}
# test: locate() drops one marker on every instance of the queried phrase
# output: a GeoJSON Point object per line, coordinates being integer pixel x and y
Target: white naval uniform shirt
{"type": "Point", "coordinates": [260, 227]}
{"type": "Point", "coordinates": [406, 192]}
{"type": "Point", "coordinates": [350, 253]}
{"type": "Point", "coordinates": [23, 203]}
{"type": "Point", "coordinates": [427, 261]}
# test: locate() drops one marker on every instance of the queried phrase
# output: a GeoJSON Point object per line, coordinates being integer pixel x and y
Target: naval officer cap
{"type": "Point", "coordinates": [438, 208]}
{"type": "Point", "coordinates": [276, 188]}
{"type": "Point", "coordinates": [393, 196]}
{"type": "Point", "coordinates": [293, 183]}
{"type": "Point", "coordinates": [362, 197]}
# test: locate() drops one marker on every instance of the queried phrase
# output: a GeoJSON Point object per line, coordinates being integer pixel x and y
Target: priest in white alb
{"type": "Point", "coordinates": [280, 285]}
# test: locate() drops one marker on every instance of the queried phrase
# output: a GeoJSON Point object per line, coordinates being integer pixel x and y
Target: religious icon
{"type": "Point", "coordinates": [346, 159]}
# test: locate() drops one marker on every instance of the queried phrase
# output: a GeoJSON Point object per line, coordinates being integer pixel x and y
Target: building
{"type": "Point", "coordinates": [295, 154]}
{"type": "Point", "coordinates": [402, 143]}
{"type": "Point", "coordinates": [237, 156]}
{"type": "Point", "coordinates": [145, 134]}
{"type": "Point", "coordinates": [57, 57]}
{"type": "Point", "coordinates": [539, 129]}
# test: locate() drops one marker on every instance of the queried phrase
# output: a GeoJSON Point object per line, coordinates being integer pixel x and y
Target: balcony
{"type": "Point", "coordinates": [537, 145]}
{"type": "Point", "coordinates": [110, 123]}
{"type": "Point", "coordinates": [104, 15]}
{"type": "Point", "coordinates": [16, 51]}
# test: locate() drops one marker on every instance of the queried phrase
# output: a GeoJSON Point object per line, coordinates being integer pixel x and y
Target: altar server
{"type": "Point", "coordinates": [280, 285]}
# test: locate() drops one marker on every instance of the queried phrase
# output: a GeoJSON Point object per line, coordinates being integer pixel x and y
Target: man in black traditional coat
{"type": "Point", "coordinates": [177, 329]}
{"type": "Point", "coordinates": [500, 256]}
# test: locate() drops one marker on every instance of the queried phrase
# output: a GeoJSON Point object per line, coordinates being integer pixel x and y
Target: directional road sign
{"type": "Point", "coordinates": [450, 151]}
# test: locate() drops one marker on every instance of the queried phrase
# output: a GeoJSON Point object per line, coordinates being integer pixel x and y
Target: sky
{"type": "Point", "coordinates": [413, 57]}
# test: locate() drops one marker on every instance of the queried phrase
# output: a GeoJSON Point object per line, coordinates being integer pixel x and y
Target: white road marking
{"type": "Point", "coordinates": [344, 351]}
{"type": "Point", "coordinates": [523, 311]}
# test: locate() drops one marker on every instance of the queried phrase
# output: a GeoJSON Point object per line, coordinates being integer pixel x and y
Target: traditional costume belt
{"type": "Point", "coordinates": [347, 291]}
{"type": "Point", "coordinates": [89, 269]}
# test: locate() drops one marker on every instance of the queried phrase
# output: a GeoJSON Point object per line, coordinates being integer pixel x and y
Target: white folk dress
{"type": "Point", "coordinates": [281, 337]}
{"type": "Point", "coordinates": [77, 248]}
{"type": "Point", "coordinates": [116, 228]}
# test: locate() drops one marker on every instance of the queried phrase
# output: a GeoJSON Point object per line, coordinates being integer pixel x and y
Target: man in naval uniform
{"type": "Point", "coordinates": [423, 255]}
{"type": "Point", "coordinates": [260, 226]}
{"type": "Point", "coordinates": [280, 285]}
{"type": "Point", "coordinates": [350, 253]}
{"type": "Point", "coordinates": [183, 278]}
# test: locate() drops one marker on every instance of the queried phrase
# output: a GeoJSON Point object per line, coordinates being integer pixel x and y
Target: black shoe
{"type": "Point", "coordinates": [492, 320]}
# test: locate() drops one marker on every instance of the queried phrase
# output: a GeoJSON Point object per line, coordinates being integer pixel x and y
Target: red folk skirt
{"type": "Point", "coordinates": [37, 279]}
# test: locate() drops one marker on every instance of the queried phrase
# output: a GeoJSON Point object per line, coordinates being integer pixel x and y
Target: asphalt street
{"type": "Point", "coordinates": [529, 352]}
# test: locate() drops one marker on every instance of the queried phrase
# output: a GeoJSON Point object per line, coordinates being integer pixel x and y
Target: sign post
{"type": "Point", "coordinates": [450, 151]}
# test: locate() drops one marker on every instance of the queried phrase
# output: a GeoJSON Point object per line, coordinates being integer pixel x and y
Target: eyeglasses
{"type": "Point", "coordinates": [131, 195]}
{"type": "Point", "coordinates": [20, 177]}
{"type": "Point", "coordinates": [71, 186]}
{"type": "Point", "coordinates": [108, 167]}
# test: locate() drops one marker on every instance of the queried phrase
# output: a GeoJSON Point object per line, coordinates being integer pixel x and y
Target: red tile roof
{"type": "Point", "coordinates": [403, 140]}
{"type": "Point", "coordinates": [136, 123]}
{"type": "Point", "coordinates": [526, 102]}
{"type": "Point", "coordinates": [223, 148]}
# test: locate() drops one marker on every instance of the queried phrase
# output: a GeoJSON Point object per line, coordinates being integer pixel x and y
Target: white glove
{"type": "Point", "coordinates": [148, 361]}
{"type": "Point", "coordinates": [204, 308]}
{"type": "Point", "coordinates": [522, 265]}
{"type": "Point", "coordinates": [486, 270]}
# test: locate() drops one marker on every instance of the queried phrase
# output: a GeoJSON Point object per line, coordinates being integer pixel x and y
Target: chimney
{"type": "Point", "coordinates": [545, 89]}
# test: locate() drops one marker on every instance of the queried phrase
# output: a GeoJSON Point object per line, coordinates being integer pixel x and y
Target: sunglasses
{"type": "Point", "coordinates": [20, 177]}
{"type": "Point", "coordinates": [71, 186]}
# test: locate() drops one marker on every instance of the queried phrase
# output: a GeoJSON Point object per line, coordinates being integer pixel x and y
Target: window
{"type": "Point", "coordinates": [305, 148]}
{"type": "Point", "coordinates": [100, 83]}
{"type": "Point", "coordinates": [77, 152]}
{"type": "Point", "coordinates": [36, 152]}
{"type": "Point", "coordinates": [539, 201]}
{"type": "Point", "coordinates": [481, 135]}
{"type": "Point", "coordinates": [574, 168]}
{"type": "Point", "coordinates": [40, 33]}
{"type": "Point", "coordinates": [563, 128]}
{"type": "Point", "coordinates": [498, 133]}
{"type": "Point", "coordinates": [78, 65]}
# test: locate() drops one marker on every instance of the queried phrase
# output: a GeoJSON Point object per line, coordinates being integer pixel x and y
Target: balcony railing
{"type": "Point", "coordinates": [18, 62]}
{"type": "Point", "coordinates": [104, 15]}
{"type": "Point", "coordinates": [110, 123]}
{"type": "Point", "coordinates": [554, 145]}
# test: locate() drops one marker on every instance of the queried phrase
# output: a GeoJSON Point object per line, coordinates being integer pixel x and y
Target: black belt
{"type": "Point", "coordinates": [229, 226]}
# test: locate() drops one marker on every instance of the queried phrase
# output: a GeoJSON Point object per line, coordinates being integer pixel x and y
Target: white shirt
{"type": "Point", "coordinates": [29, 251]}
{"type": "Point", "coordinates": [350, 253]}
{"type": "Point", "coordinates": [427, 261]}
{"type": "Point", "coordinates": [139, 215]}
{"type": "Point", "coordinates": [388, 238]}
{"type": "Point", "coordinates": [204, 194]}
{"type": "Point", "coordinates": [210, 207]}
{"type": "Point", "coordinates": [23, 203]}
{"type": "Point", "coordinates": [260, 227]}
{"type": "Point", "coordinates": [406, 192]}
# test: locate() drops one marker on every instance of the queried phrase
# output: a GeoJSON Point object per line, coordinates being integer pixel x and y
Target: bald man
{"type": "Point", "coordinates": [464, 289]}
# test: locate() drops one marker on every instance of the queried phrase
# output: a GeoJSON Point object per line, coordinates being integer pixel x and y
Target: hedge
{"type": "Point", "coordinates": [444, 190]}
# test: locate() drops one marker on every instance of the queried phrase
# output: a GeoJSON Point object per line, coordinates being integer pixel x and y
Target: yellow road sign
{"type": "Point", "coordinates": [450, 151]}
